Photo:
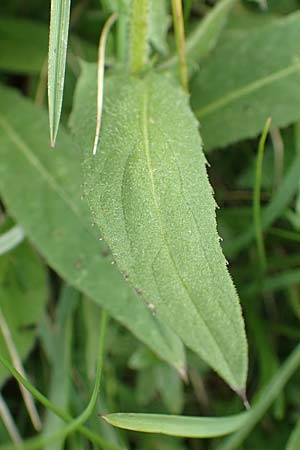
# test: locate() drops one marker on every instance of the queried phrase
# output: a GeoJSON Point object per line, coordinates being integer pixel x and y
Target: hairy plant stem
{"type": "Point", "coordinates": [138, 44]}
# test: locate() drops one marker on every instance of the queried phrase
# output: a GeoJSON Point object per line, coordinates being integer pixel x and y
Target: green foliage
{"type": "Point", "coordinates": [259, 83]}
{"type": "Point", "coordinates": [51, 182]}
{"type": "Point", "coordinates": [133, 231]}
{"type": "Point", "coordinates": [20, 38]}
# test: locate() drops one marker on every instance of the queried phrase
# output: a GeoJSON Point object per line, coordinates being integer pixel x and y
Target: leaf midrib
{"type": "Point", "coordinates": [245, 90]}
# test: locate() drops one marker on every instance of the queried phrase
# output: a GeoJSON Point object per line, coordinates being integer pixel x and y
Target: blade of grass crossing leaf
{"type": "Point", "coordinates": [204, 427]}
{"type": "Point", "coordinates": [180, 41]}
{"type": "Point", "coordinates": [256, 198]}
{"type": "Point", "coordinates": [101, 61]}
{"type": "Point", "coordinates": [58, 43]}
{"type": "Point", "coordinates": [11, 238]}
{"type": "Point", "coordinates": [9, 423]}
{"type": "Point", "coordinates": [28, 400]}
{"type": "Point", "coordinates": [194, 427]}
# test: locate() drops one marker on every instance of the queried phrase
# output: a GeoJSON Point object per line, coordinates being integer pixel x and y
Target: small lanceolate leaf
{"type": "Point", "coordinates": [58, 43]}
{"type": "Point", "coordinates": [47, 202]}
{"type": "Point", "coordinates": [149, 193]}
{"type": "Point", "coordinates": [250, 77]}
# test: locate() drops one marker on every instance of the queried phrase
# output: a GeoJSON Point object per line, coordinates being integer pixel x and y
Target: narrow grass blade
{"type": "Point", "coordinates": [9, 423]}
{"type": "Point", "coordinates": [272, 211]}
{"type": "Point", "coordinates": [194, 427]}
{"type": "Point", "coordinates": [60, 336]}
{"type": "Point", "coordinates": [256, 197]}
{"type": "Point", "coordinates": [205, 427]}
{"type": "Point", "coordinates": [204, 37]}
{"type": "Point", "coordinates": [73, 424]}
{"type": "Point", "coordinates": [28, 400]}
{"type": "Point", "coordinates": [180, 41]}
{"type": "Point", "coordinates": [101, 59]}
{"type": "Point", "coordinates": [95, 438]}
{"type": "Point", "coordinates": [58, 42]}
{"type": "Point", "coordinates": [11, 239]}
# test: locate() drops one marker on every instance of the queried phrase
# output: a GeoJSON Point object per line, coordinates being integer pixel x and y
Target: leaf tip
{"type": "Point", "coordinates": [52, 140]}
{"type": "Point", "coordinates": [243, 396]}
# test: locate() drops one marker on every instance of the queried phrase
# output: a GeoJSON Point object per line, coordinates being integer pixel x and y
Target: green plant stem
{"type": "Point", "coordinates": [180, 41]}
{"type": "Point", "coordinates": [73, 424]}
{"type": "Point", "coordinates": [121, 33]}
{"type": "Point", "coordinates": [138, 50]}
{"type": "Point", "coordinates": [268, 396]}
{"type": "Point", "coordinates": [256, 198]}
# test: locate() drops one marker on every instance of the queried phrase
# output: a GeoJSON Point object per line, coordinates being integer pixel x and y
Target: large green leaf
{"type": "Point", "coordinates": [150, 196]}
{"type": "Point", "coordinates": [249, 77]}
{"type": "Point", "coordinates": [46, 200]}
{"type": "Point", "coordinates": [23, 296]}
